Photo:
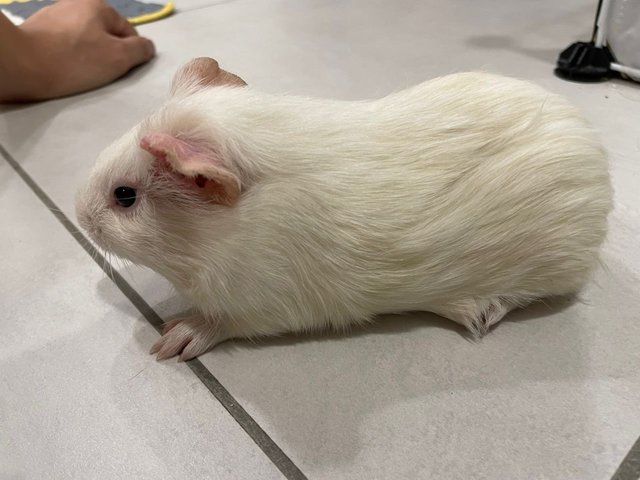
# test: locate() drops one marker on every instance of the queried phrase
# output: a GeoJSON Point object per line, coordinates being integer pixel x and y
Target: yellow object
{"type": "Point", "coordinates": [166, 10]}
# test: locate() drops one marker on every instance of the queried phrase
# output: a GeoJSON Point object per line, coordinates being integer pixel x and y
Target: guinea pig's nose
{"type": "Point", "coordinates": [85, 218]}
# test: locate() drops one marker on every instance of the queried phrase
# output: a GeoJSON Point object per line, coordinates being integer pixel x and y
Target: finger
{"type": "Point", "coordinates": [116, 24]}
{"type": "Point", "coordinates": [136, 50]}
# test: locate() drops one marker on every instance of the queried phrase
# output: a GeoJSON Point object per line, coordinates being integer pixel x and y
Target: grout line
{"type": "Point", "coordinates": [231, 405]}
{"type": "Point", "coordinates": [629, 469]}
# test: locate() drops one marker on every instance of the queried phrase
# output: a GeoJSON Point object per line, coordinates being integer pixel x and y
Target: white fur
{"type": "Point", "coordinates": [467, 195]}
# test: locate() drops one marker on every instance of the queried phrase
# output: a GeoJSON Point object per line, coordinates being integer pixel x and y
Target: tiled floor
{"type": "Point", "coordinates": [553, 393]}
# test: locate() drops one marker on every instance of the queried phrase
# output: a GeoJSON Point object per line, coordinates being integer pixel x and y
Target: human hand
{"type": "Point", "coordinates": [73, 46]}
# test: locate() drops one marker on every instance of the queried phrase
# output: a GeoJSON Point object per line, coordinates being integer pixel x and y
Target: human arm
{"type": "Point", "coordinates": [66, 48]}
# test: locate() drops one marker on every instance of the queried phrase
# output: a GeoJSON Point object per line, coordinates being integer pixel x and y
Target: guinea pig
{"type": "Point", "coordinates": [468, 196]}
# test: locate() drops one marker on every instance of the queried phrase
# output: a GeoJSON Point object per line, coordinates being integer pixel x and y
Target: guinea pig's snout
{"type": "Point", "coordinates": [89, 225]}
{"type": "Point", "coordinates": [87, 216]}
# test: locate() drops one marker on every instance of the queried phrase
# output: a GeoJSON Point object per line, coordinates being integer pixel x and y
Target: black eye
{"type": "Point", "coordinates": [125, 196]}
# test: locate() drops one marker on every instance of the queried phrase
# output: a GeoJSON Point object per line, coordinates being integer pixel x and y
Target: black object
{"type": "Point", "coordinates": [584, 62]}
{"type": "Point", "coordinates": [125, 196]}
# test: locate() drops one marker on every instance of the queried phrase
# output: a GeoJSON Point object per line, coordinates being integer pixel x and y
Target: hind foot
{"type": "Point", "coordinates": [477, 315]}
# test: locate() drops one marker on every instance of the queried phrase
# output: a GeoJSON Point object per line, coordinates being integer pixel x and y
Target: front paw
{"type": "Point", "coordinates": [188, 337]}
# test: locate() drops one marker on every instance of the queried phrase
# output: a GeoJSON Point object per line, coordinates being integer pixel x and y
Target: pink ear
{"type": "Point", "coordinates": [203, 169]}
{"type": "Point", "coordinates": [200, 73]}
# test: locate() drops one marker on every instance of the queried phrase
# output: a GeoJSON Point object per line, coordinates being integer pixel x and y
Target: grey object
{"type": "Point", "coordinates": [25, 10]}
{"type": "Point", "coordinates": [618, 27]}
{"type": "Point", "coordinates": [622, 31]}
{"type": "Point", "coordinates": [126, 8]}
{"type": "Point", "coordinates": [133, 8]}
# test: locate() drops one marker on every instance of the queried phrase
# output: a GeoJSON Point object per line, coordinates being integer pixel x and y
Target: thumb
{"type": "Point", "coordinates": [137, 50]}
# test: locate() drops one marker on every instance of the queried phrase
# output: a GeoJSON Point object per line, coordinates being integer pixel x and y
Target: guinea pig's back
{"type": "Point", "coordinates": [470, 183]}
{"type": "Point", "coordinates": [507, 186]}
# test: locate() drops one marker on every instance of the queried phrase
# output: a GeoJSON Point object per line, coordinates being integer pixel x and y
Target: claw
{"type": "Point", "coordinates": [156, 346]}
{"type": "Point", "coordinates": [187, 337]}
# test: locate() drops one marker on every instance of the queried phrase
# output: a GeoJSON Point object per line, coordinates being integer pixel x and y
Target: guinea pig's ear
{"type": "Point", "coordinates": [200, 73]}
{"type": "Point", "coordinates": [197, 167]}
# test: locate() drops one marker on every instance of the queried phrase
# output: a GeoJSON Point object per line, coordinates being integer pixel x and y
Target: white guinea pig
{"type": "Point", "coordinates": [468, 195]}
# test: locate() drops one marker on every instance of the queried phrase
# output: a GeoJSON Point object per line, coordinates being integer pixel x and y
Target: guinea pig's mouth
{"type": "Point", "coordinates": [95, 235]}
